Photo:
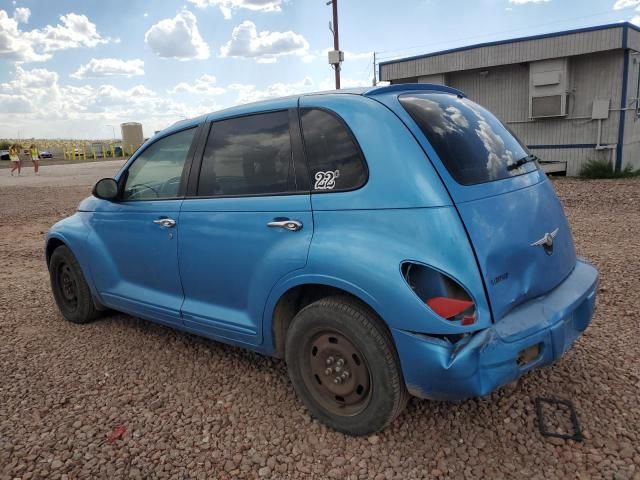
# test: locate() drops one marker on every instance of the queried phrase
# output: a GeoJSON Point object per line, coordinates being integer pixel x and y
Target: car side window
{"type": "Point", "coordinates": [334, 158]}
{"type": "Point", "coordinates": [248, 155]}
{"type": "Point", "coordinates": [157, 171]}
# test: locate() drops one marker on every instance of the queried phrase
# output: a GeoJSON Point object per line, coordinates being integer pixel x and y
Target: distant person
{"type": "Point", "coordinates": [35, 158]}
{"type": "Point", "coordinates": [14, 156]}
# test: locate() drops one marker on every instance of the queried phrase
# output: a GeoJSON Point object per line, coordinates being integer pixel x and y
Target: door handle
{"type": "Point", "coordinates": [290, 225]}
{"type": "Point", "coordinates": [165, 222]}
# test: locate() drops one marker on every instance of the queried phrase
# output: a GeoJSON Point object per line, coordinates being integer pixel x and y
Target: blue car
{"type": "Point", "coordinates": [386, 242]}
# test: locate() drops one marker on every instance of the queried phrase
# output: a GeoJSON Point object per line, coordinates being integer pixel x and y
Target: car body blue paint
{"type": "Point", "coordinates": [134, 263]}
{"type": "Point", "coordinates": [232, 306]}
{"type": "Point", "coordinates": [73, 232]}
{"type": "Point", "coordinates": [475, 366]}
{"type": "Point", "coordinates": [221, 272]}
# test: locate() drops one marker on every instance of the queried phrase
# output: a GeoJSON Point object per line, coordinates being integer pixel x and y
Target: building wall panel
{"type": "Point", "coordinates": [576, 158]}
{"type": "Point", "coordinates": [631, 141]}
{"type": "Point", "coordinates": [508, 53]}
{"type": "Point", "coordinates": [504, 91]}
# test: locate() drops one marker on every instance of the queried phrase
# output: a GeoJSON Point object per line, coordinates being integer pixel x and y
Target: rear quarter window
{"type": "Point", "coordinates": [334, 158]}
{"type": "Point", "coordinates": [474, 146]}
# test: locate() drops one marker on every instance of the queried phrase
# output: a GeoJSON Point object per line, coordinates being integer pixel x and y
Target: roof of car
{"type": "Point", "coordinates": [265, 104]}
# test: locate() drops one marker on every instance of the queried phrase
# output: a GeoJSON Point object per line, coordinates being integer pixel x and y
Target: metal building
{"type": "Point", "coordinates": [571, 96]}
{"type": "Point", "coordinates": [132, 136]}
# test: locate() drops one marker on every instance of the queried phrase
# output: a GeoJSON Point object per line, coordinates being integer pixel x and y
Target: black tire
{"type": "Point", "coordinates": [313, 340]}
{"type": "Point", "coordinates": [70, 290]}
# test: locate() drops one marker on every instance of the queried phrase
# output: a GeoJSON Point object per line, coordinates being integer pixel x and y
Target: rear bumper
{"type": "Point", "coordinates": [475, 366]}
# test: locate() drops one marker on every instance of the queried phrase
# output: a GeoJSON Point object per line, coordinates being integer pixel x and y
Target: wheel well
{"type": "Point", "coordinates": [295, 300]}
{"type": "Point", "coordinates": [51, 246]}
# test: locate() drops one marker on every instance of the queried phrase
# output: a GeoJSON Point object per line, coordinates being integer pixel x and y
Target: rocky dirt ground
{"type": "Point", "coordinates": [193, 408]}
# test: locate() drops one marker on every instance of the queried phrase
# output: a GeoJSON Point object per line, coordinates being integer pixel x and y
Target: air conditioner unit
{"type": "Point", "coordinates": [548, 84]}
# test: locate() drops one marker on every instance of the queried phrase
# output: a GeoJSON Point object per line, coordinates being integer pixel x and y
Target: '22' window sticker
{"type": "Point", "coordinates": [326, 180]}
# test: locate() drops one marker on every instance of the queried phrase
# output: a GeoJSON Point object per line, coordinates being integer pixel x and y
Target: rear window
{"type": "Point", "coordinates": [474, 146]}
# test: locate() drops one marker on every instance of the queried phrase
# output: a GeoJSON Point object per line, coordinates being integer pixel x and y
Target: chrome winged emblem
{"type": "Point", "coordinates": [546, 241]}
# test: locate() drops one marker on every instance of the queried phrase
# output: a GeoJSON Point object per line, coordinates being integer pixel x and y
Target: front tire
{"type": "Point", "coordinates": [70, 290]}
{"type": "Point", "coordinates": [343, 365]}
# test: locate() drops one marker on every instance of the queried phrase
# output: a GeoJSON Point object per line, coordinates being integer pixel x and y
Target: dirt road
{"type": "Point", "coordinates": [193, 408]}
{"type": "Point", "coordinates": [82, 174]}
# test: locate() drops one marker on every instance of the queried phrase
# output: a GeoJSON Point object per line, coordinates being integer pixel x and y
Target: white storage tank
{"type": "Point", "coordinates": [132, 136]}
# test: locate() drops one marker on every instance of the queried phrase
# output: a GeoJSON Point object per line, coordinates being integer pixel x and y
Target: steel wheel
{"type": "Point", "coordinates": [336, 373]}
{"type": "Point", "coordinates": [68, 286]}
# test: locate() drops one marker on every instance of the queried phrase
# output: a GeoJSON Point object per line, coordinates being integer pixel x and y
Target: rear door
{"type": "Point", "coordinates": [515, 221]}
{"type": "Point", "coordinates": [247, 223]}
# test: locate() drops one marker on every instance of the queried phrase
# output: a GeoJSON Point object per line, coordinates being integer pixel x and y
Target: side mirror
{"type": "Point", "coordinates": [106, 189]}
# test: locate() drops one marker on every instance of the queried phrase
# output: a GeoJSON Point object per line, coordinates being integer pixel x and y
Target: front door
{"type": "Point", "coordinates": [247, 227]}
{"type": "Point", "coordinates": [135, 268]}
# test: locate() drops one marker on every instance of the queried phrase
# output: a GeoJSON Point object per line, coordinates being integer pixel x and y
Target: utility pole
{"type": "Point", "coordinates": [375, 81]}
{"type": "Point", "coordinates": [335, 56]}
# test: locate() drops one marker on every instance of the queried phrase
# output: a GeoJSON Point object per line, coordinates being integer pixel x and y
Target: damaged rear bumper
{"type": "Point", "coordinates": [546, 326]}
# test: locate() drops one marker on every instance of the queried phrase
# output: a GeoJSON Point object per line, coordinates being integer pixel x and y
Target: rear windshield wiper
{"type": "Point", "coordinates": [522, 161]}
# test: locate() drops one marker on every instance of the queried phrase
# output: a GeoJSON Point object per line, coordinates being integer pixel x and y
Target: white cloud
{"type": "Point", "coordinates": [35, 78]}
{"type": "Point", "coordinates": [22, 14]}
{"type": "Point", "coordinates": [15, 104]}
{"type": "Point", "coordinates": [110, 67]}
{"type": "Point", "coordinates": [227, 6]}
{"type": "Point", "coordinates": [329, 83]}
{"type": "Point", "coordinates": [177, 37]}
{"type": "Point", "coordinates": [636, 20]}
{"type": "Point", "coordinates": [265, 46]}
{"type": "Point", "coordinates": [250, 93]}
{"type": "Point", "coordinates": [14, 44]}
{"type": "Point", "coordinates": [620, 4]}
{"type": "Point", "coordinates": [203, 85]}
{"type": "Point", "coordinates": [522, 2]}
{"type": "Point", "coordinates": [73, 31]}
{"type": "Point", "coordinates": [35, 103]}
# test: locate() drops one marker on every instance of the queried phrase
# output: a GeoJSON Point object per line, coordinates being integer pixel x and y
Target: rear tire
{"type": "Point", "coordinates": [70, 290]}
{"type": "Point", "coordinates": [343, 365]}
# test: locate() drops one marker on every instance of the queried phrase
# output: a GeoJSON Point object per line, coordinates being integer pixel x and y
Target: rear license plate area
{"type": "Point", "coordinates": [528, 355]}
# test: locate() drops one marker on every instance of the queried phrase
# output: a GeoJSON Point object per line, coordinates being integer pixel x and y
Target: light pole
{"type": "Point", "coordinates": [335, 55]}
{"type": "Point", "coordinates": [114, 131]}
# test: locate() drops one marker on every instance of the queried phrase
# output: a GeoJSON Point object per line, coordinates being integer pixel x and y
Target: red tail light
{"type": "Point", "coordinates": [446, 297]}
{"type": "Point", "coordinates": [453, 309]}
{"type": "Point", "coordinates": [448, 307]}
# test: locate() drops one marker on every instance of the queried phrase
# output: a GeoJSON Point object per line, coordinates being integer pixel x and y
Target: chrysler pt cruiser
{"type": "Point", "coordinates": [385, 242]}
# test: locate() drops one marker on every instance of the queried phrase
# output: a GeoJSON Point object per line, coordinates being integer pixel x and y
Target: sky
{"type": "Point", "coordinates": [78, 68]}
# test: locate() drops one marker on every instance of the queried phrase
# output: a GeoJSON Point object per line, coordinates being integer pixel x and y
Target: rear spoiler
{"type": "Point", "coordinates": [412, 87]}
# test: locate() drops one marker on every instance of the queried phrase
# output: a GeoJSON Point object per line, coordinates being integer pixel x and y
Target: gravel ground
{"type": "Point", "coordinates": [195, 408]}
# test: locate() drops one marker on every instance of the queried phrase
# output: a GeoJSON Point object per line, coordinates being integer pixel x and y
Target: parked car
{"type": "Point", "coordinates": [386, 241]}
{"type": "Point", "coordinates": [4, 154]}
{"type": "Point", "coordinates": [46, 154]}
